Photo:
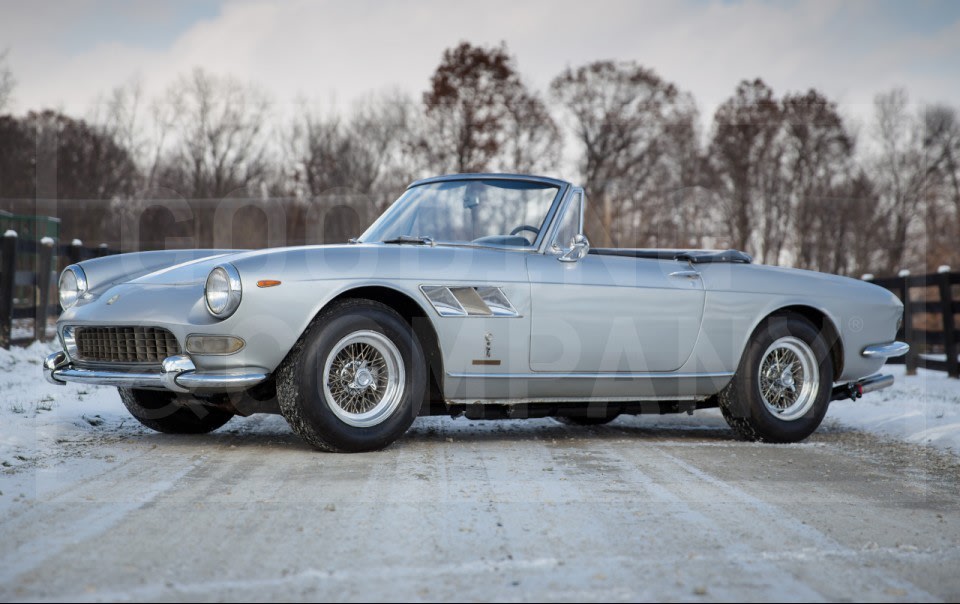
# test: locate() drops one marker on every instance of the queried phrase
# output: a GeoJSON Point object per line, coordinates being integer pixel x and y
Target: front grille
{"type": "Point", "coordinates": [125, 344]}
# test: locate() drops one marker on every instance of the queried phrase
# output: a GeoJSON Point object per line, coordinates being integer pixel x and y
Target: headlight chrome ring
{"type": "Point", "coordinates": [223, 291]}
{"type": "Point", "coordinates": [72, 285]}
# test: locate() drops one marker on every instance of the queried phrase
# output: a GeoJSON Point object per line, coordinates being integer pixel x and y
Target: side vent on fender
{"type": "Point", "coordinates": [467, 301]}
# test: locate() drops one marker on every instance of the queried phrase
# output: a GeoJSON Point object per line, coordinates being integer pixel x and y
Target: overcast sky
{"type": "Point", "coordinates": [64, 54]}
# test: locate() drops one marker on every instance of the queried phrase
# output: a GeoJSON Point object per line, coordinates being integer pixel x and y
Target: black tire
{"type": "Point", "coordinates": [302, 394]}
{"type": "Point", "coordinates": [584, 420]}
{"type": "Point", "coordinates": [742, 403]}
{"type": "Point", "coordinates": [171, 413]}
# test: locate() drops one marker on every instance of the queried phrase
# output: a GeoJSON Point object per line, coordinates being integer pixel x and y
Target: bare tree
{"type": "Point", "coordinates": [818, 163]}
{"type": "Point", "coordinates": [140, 126]}
{"type": "Point", "coordinates": [532, 141]}
{"type": "Point", "coordinates": [479, 115]}
{"type": "Point", "coordinates": [746, 154]}
{"type": "Point", "coordinates": [7, 83]}
{"type": "Point", "coordinates": [901, 173]}
{"type": "Point", "coordinates": [217, 126]}
{"type": "Point", "coordinates": [357, 164]}
{"type": "Point", "coordinates": [941, 142]}
{"type": "Point", "coordinates": [622, 115]}
{"type": "Point", "coordinates": [52, 163]}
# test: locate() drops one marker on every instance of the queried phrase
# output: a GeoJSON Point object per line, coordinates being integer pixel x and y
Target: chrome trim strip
{"type": "Point", "coordinates": [586, 375]}
{"type": "Point", "coordinates": [490, 176]}
{"type": "Point", "coordinates": [893, 349]}
{"type": "Point", "coordinates": [611, 399]}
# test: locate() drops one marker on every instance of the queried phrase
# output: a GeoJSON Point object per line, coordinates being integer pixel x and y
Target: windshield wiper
{"type": "Point", "coordinates": [418, 240]}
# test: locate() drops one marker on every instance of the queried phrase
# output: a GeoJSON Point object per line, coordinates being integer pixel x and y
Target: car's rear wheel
{"type": "Point", "coordinates": [355, 381]}
{"type": "Point", "coordinates": [782, 387]}
{"type": "Point", "coordinates": [171, 413]}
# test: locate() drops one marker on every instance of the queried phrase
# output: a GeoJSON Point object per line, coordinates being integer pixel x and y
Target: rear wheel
{"type": "Point", "coordinates": [171, 413]}
{"type": "Point", "coordinates": [782, 387]}
{"type": "Point", "coordinates": [355, 381]}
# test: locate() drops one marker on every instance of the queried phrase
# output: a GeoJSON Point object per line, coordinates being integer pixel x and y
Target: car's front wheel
{"type": "Point", "coordinates": [171, 413]}
{"type": "Point", "coordinates": [355, 381]}
{"type": "Point", "coordinates": [782, 387]}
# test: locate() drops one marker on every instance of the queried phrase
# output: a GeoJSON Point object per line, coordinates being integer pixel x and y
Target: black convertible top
{"type": "Point", "coordinates": [692, 256]}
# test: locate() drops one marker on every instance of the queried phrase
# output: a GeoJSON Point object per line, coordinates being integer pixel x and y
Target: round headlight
{"type": "Point", "coordinates": [223, 291]}
{"type": "Point", "coordinates": [73, 284]}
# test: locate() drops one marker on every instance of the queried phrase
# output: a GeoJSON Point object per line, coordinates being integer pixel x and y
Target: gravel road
{"type": "Point", "coordinates": [641, 509]}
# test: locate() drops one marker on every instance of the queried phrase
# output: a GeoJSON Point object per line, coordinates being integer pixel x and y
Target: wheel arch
{"type": "Point", "coordinates": [822, 322]}
{"type": "Point", "coordinates": [416, 316]}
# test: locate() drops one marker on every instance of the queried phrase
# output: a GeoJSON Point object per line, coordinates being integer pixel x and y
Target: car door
{"type": "Point", "coordinates": [607, 313]}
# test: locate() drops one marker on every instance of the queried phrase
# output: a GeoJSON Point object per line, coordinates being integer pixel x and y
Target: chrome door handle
{"type": "Point", "coordinates": [685, 274]}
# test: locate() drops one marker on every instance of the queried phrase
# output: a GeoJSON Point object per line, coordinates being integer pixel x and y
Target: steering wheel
{"type": "Point", "coordinates": [526, 227]}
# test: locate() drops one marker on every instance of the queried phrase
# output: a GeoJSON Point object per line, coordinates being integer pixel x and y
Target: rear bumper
{"type": "Point", "coordinates": [893, 349]}
{"type": "Point", "coordinates": [177, 373]}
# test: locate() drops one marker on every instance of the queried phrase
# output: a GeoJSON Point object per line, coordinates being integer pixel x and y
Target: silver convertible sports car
{"type": "Point", "coordinates": [473, 294]}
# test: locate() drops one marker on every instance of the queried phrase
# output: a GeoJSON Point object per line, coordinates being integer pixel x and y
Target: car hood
{"type": "Point", "coordinates": [190, 272]}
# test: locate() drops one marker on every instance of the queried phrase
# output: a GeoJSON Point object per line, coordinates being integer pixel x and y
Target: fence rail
{"type": "Point", "coordinates": [929, 325]}
{"type": "Point", "coordinates": [28, 284]}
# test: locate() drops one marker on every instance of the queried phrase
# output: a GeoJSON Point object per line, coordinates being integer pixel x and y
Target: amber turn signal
{"type": "Point", "coordinates": [203, 344]}
{"type": "Point", "coordinates": [267, 283]}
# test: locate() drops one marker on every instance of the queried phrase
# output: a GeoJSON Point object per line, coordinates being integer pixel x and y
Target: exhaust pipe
{"type": "Point", "coordinates": [855, 390]}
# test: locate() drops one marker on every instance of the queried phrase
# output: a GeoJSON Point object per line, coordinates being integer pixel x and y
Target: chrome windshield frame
{"type": "Point", "coordinates": [539, 243]}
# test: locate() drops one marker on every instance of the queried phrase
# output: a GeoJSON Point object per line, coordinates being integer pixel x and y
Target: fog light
{"type": "Point", "coordinates": [213, 344]}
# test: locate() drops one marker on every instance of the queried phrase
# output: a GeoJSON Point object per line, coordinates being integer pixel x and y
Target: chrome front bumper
{"type": "Point", "coordinates": [177, 373]}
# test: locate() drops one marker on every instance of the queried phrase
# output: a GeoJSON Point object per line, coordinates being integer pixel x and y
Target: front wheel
{"type": "Point", "coordinates": [355, 381]}
{"type": "Point", "coordinates": [782, 387]}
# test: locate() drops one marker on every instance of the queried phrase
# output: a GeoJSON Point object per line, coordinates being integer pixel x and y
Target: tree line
{"type": "Point", "coordinates": [783, 177]}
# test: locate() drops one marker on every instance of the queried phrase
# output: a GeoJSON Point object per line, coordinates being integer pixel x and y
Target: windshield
{"type": "Point", "coordinates": [486, 212]}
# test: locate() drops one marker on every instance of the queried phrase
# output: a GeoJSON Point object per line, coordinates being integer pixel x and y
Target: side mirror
{"type": "Point", "coordinates": [579, 247]}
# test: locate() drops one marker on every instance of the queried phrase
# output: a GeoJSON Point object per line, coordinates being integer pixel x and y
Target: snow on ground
{"type": "Point", "coordinates": [41, 423]}
{"type": "Point", "coordinates": [922, 409]}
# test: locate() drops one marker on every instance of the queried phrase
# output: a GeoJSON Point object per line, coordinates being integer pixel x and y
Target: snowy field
{"type": "Point", "coordinates": [40, 422]}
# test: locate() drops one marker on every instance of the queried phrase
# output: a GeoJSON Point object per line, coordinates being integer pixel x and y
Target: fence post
{"type": "Point", "coordinates": [102, 250]}
{"type": "Point", "coordinates": [44, 268]}
{"type": "Point", "coordinates": [911, 360]}
{"type": "Point", "coordinates": [8, 275]}
{"type": "Point", "coordinates": [949, 326]}
{"type": "Point", "coordinates": [75, 251]}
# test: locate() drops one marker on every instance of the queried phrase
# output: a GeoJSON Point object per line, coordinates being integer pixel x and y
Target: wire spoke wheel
{"type": "Point", "coordinates": [363, 378]}
{"type": "Point", "coordinates": [789, 378]}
